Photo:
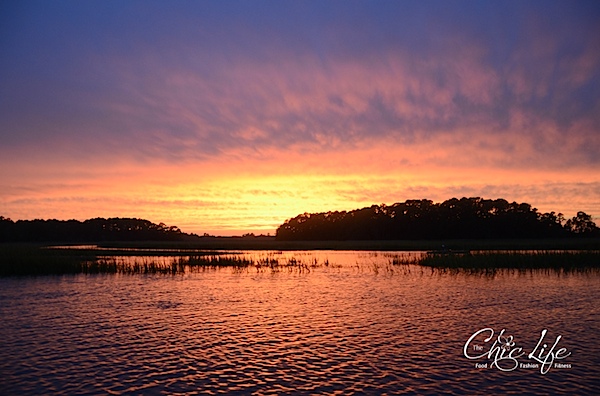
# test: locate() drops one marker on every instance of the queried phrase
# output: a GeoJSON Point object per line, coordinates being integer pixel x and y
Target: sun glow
{"type": "Point", "coordinates": [240, 191]}
{"type": "Point", "coordinates": [222, 122]}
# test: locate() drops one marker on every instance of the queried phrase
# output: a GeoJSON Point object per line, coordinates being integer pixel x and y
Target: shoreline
{"type": "Point", "coordinates": [65, 258]}
{"type": "Point", "coordinates": [270, 243]}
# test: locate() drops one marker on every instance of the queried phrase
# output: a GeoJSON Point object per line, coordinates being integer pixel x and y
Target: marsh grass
{"type": "Point", "coordinates": [269, 262]}
{"type": "Point", "coordinates": [28, 259]}
{"type": "Point", "coordinates": [559, 260]}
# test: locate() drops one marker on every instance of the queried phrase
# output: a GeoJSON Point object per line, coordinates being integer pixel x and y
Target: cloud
{"type": "Point", "coordinates": [279, 108]}
{"type": "Point", "coordinates": [241, 197]}
{"type": "Point", "coordinates": [199, 90]}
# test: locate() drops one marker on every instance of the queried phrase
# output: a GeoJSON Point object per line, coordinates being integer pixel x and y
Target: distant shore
{"type": "Point", "coordinates": [178, 257]}
{"type": "Point", "coordinates": [270, 243]}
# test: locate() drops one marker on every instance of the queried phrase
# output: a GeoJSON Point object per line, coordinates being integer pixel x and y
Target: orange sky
{"type": "Point", "coordinates": [232, 120]}
{"type": "Point", "coordinates": [244, 192]}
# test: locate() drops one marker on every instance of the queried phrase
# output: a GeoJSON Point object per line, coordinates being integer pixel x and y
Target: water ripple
{"type": "Point", "coordinates": [335, 330]}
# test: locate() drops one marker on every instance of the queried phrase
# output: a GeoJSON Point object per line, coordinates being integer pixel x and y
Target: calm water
{"type": "Point", "coordinates": [357, 325]}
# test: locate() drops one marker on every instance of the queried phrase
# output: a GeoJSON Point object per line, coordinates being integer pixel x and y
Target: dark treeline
{"type": "Point", "coordinates": [93, 230]}
{"type": "Point", "coordinates": [466, 218]}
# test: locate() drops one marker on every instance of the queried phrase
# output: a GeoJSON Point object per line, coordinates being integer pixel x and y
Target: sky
{"type": "Point", "coordinates": [229, 117]}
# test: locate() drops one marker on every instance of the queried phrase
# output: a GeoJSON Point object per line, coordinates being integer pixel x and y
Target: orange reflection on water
{"type": "Point", "coordinates": [333, 321]}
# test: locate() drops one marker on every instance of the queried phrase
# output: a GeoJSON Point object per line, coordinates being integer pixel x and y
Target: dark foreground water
{"type": "Point", "coordinates": [358, 325]}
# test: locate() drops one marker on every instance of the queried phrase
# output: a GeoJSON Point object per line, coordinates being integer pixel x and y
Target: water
{"type": "Point", "coordinates": [356, 325]}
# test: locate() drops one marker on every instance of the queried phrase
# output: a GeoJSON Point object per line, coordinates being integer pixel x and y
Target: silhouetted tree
{"type": "Point", "coordinates": [93, 230]}
{"type": "Point", "coordinates": [582, 224]}
{"type": "Point", "coordinates": [422, 219]}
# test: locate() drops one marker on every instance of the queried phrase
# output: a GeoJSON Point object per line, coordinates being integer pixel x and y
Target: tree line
{"type": "Point", "coordinates": [93, 230]}
{"type": "Point", "coordinates": [465, 218]}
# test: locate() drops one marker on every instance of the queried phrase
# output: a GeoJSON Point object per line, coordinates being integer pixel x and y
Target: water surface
{"type": "Point", "coordinates": [347, 322]}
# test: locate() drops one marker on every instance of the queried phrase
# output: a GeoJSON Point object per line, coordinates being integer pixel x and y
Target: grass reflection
{"type": "Point", "coordinates": [37, 260]}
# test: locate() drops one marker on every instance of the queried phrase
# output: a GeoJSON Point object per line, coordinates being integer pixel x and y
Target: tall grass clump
{"type": "Point", "coordinates": [564, 260]}
{"type": "Point", "coordinates": [215, 261]}
{"type": "Point", "coordinates": [29, 259]}
{"type": "Point", "coordinates": [21, 260]}
{"type": "Point", "coordinates": [274, 264]}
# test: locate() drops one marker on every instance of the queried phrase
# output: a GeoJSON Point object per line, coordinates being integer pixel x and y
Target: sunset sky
{"type": "Point", "coordinates": [229, 117]}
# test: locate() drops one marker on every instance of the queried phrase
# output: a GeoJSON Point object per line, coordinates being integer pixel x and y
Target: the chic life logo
{"type": "Point", "coordinates": [501, 351]}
